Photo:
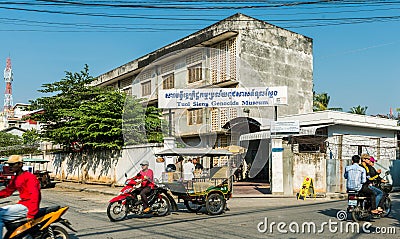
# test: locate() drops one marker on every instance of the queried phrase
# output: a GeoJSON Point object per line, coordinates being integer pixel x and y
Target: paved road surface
{"type": "Point", "coordinates": [88, 215]}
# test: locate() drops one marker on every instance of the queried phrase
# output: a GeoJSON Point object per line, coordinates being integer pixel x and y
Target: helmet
{"type": "Point", "coordinates": [170, 168]}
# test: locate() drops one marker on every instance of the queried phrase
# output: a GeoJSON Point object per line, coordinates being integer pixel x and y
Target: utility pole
{"type": "Point", "coordinates": [8, 100]}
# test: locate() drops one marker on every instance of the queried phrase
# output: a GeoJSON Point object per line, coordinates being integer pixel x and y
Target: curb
{"type": "Point", "coordinates": [82, 188]}
{"type": "Point", "coordinates": [90, 190]}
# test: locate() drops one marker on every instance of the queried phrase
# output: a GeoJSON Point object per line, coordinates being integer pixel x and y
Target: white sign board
{"type": "Point", "coordinates": [285, 126]}
{"type": "Point", "coordinates": [222, 97]}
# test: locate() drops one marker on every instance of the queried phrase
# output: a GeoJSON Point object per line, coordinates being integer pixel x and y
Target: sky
{"type": "Point", "coordinates": [356, 44]}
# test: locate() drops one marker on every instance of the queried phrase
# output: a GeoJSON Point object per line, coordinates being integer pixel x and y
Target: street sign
{"type": "Point", "coordinates": [285, 126]}
{"type": "Point", "coordinates": [222, 97]}
{"type": "Point", "coordinates": [307, 189]}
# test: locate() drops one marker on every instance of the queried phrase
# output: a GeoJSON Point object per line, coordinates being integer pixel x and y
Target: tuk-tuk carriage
{"type": "Point", "coordinates": [210, 187]}
{"type": "Point", "coordinates": [36, 166]}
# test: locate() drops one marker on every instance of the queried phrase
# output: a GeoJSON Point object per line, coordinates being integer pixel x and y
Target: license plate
{"type": "Point", "coordinates": [352, 203]}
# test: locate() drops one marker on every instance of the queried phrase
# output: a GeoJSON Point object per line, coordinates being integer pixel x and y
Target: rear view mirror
{"type": "Point", "coordinates": [126, 175]}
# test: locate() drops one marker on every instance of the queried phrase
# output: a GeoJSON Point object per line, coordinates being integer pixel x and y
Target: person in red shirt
{"type": "Point", "coordinates": [146, 175]}
{"type": "Point", "coordinates": [28, 187]}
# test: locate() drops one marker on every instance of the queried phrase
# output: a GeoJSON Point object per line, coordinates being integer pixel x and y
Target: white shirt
{"type": "Point", "coordinates": [188, 169]}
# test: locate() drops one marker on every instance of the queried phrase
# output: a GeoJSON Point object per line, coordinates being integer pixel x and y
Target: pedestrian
{"type": "Point", "coordinates": [188, 169]}
{"type": "Point", "coordinates": [198, 168]}
{"type": "Point", "coordinates": [28, 187]}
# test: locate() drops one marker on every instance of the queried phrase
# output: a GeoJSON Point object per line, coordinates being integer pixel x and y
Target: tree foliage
{"type": "Point", "coordinates": [321, 102]}
{"type": "Point", "coordinates": [142, 124]}
{"type": "Point", "coordinates": [31, 137]}
{"type": "Point", "coordinates": [78, 112]}
{"type": "Point", "coordinates": [7, 139]}
{"type": "Point", "coordinates": [92, 116]}
{"type": "Point", "coordinates": [360, 110]}
{"type": "Point", "coordinates": [13, 144]}
{"type": "Point", "coordinates": [154, 124]}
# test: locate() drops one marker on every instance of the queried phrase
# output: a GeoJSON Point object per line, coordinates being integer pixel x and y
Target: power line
{"type": "Point", "coordinates": [290, 23]}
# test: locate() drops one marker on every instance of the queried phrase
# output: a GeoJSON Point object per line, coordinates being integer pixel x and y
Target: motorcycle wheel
{"type": "Point", "coordinates": [192, 207]}
{"type": "Point", "coordinates": [215, 204]}
{"type": "Point", "coordinates": [357, 215]}
{"type": "Point", "coordinates": [116, 211]}
{"type": "Point", "coordinates": [387, 207]}
{"type": "Point", "coordinates": [59, 233]}
{"type": "Point", "coordinates": [164, 208]}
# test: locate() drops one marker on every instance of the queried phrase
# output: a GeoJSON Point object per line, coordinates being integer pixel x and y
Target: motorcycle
{"type": "Point", "coordinates": [360, 206]}
{"type": "Point", "coordinates": [160, 201]}
{"type": "Point", "coordinates": [41, 227]}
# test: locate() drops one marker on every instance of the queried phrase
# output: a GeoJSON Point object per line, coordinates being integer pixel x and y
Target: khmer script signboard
{"type": "Point", "coordinates": [222, 97]}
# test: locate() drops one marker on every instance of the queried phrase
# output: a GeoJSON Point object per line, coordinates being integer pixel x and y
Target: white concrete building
{"type": "Point", "coordinates": [324, 146]}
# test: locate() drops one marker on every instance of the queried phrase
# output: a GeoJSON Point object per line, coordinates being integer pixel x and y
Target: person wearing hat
{"type": "Point", "coordinates": [146, 175]}
{"type": "Point", "coordinates": [371, 176]}
{"type": "Point", "coordinates": [375, 179]}
{"type": "Point", "coordinates": [356, 180]}
{"type": "Point", "coordinates": [28, 187]}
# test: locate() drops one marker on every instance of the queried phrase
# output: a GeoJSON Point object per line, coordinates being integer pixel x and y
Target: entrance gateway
{"type": "Point", "coordinates": [245, 98]}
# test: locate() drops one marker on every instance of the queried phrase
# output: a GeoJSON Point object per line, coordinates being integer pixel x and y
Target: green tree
{"type": "Point", "coordinates": [93, 116]}
{"type": "Point", "coordinates": [321, 102]}
{"type": "Point", "coordinates": [154, 124]}
{"type": "Point", "coordinates": [76, 111]}
{"type": "Point", "coordinates": [359, 110]}
{"type": "Point", "coordinates": [13, 144]}
{"type": "Point", "coordinates": [140, 124]}
{"type": "Point", "coordinates": [31, 137]}
{"type": "Point", "coordinates": [7, 139]}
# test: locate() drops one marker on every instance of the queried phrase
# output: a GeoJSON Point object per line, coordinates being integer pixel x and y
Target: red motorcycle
{"type": "Point", "coordinates": [160, 201]}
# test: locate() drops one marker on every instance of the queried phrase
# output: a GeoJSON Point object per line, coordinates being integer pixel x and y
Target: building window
{"type": "Point", "coordinates": [222, 141]}
{"type": "Point", "coordinates": [195, 73]}
{"type": "Point", "coordinates": [195, 116]}
{"type": "Point", "coordinates": [128, 91]}
{"type": "Point", "coordinates": [168, 81]}
{"type": "Point", "coordinates": [146, 88]}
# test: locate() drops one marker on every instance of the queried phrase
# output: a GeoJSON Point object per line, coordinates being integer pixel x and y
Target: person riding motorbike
{"type": "Point", "coordinates": [146, 176]}
{"type": "Point", "coordinates": [356, 180]}
{"type": "Point", "coordinates": [28, 187]}
{"type": "Point", "coordinates": [371, 177]}
{"type": "Point", "coordinates": [375, 179]}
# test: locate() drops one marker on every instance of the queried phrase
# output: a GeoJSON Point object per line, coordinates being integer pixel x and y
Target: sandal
{"type": "Point", "coordinates": [375, 211]}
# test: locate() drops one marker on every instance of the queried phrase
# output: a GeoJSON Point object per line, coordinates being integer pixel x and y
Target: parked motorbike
{"type": "Point", "coordinates": [160, 201]}
{"type": "Point", "coordinates": [41, 227]}
{"type": "Point", "coordinates": [359, 205]}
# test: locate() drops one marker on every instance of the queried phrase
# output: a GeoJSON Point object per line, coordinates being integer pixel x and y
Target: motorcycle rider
{"type": "Point", "coordinates": [146, 176]}
{"type": "Point", "coordinates": [356, 180]}
{"type": "Point", "coordinates": [375, 179]}
{"type": "Point", "coordinates": [28, 187]}
{"type": "Point", "coordinates": [371, 177]}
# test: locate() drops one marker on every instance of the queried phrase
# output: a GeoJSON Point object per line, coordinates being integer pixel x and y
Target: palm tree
{"type": "Point", "coordinates": [359, 110]}
{"type": "Point", "coordinates": [321, 102]}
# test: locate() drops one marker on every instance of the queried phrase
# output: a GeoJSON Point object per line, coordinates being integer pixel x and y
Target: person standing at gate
{"type": "Point", "coordinates": [188, 169]}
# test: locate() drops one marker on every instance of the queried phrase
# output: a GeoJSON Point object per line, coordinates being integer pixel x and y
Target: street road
{"type": "Point", "coordinates": [87, 214]}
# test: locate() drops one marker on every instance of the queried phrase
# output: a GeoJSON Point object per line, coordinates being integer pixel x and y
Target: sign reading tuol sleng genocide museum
{"type": "Point", "coordinates": [222, 97]}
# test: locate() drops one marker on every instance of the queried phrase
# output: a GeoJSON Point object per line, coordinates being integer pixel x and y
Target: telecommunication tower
{"type": "Point", "coordinates": [8, 100]}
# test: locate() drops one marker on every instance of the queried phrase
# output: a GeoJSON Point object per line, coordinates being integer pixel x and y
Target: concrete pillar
{"type": "Point", "coordinates": [169, 142]}
{"type": "Point", "coordinates": [277, 166]}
